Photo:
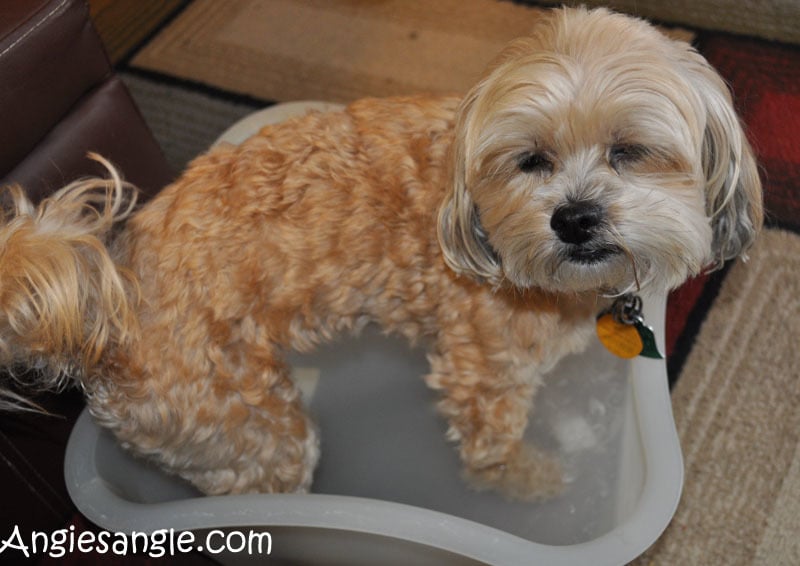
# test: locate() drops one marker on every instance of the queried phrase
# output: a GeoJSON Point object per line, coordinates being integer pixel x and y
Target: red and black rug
{"type": "Point", "coordinates": [765, 80]}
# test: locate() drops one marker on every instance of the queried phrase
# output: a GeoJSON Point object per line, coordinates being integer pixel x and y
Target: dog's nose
{"type": "Point", "coordinates": [576, 222]}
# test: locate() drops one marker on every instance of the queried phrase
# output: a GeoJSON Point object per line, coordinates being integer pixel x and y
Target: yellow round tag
{"type": "Point", "coordinates": [622, 340]}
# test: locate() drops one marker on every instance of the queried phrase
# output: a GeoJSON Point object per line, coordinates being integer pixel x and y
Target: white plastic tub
{"type": "Point", "coordinates": [388, 488]}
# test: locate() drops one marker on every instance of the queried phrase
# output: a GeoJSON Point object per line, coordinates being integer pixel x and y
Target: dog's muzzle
{"type": "Point", "coordinates": [579, 225]}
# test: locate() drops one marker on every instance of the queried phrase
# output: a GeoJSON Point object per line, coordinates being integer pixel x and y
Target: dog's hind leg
{"type": "Point", "coordinates": [262, 441]}
{"type": "Point", "coordinates": [239, 428]}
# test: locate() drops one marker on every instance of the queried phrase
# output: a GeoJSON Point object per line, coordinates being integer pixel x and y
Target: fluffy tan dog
{"type": "Point", "coordinates": [593, 158]}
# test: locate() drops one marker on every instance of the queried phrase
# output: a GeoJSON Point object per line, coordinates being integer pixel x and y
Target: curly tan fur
{"type": "Point", "coordinates": [62, 297]}
{"type": "Point", "coordinates": [414, 213]}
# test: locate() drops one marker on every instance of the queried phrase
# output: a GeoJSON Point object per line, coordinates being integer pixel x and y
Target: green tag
{"type": "Point", "coordinates": [650, 348]}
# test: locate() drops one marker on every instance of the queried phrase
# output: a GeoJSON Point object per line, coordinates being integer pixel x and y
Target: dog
{"type": "Point", "coordinates": [595, 157]}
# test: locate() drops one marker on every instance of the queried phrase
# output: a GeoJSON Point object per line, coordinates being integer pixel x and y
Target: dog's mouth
{"type": "Point", "coordinates": [602, 260]}
{"type": "Point", "coordinates": [590, 255]}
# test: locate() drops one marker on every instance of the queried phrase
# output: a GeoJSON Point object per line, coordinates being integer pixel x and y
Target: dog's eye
{"type": "Point", "coordinates": [621, 155]}
{"type": "Point", "coordinates": [531, 162]}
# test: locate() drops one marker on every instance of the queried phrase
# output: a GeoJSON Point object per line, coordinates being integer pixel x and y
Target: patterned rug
{"type": "Point", "coordinates": [734, 360]}
{"type": "Point", "coordinates": [775, 20]}
{"type": "Point", "coordinates": [736, 409]}
{"type": "Point", "coordinates": [737, 397]}
{"type": "Point", "coordinates": [337, 51]}
{"type": "Point", "coordinates": [124, 25]}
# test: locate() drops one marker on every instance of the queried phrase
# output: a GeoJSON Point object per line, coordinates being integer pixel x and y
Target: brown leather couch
{"type": "Point", "coordinates": [59, 99]}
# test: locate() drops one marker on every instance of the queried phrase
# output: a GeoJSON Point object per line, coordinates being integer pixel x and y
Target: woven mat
{"type": "Point", "coordinates": [185, 121]}
{"type": "Point", "coordinates": [737, 409]}
{"type": "Point", "coordinates": [775, 19]}
{"type": "Point", "coordinates": [285, 50]}
{"type": "Point", "coordinates": [124, 24]}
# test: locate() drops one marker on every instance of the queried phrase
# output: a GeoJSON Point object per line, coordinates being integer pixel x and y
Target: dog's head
{"type": "Point", "coordinates": [598, 154]}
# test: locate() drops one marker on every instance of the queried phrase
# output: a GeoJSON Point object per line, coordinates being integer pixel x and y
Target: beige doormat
{"type": "Point", "coordinates": [284, 50]}
{"type": "Point", "coordinates": [737, 409]}
{"type": "Point", "coordinates": [124, 24]}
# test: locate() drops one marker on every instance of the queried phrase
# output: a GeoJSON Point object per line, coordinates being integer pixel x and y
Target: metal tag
{"type": "Point", "coordinates": [622, 330]}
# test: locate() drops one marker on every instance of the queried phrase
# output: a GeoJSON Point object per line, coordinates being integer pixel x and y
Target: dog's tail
{"type": "Point", "coordinates": [63, 299]}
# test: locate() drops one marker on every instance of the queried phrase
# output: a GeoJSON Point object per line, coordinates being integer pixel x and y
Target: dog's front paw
{"type": "Point", "coordinates": [526, 475]}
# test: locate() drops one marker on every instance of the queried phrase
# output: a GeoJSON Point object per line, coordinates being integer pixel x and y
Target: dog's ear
{"type": "Point", "coordinates": [733, 186]}
{"type": "Point", "coordinates": [462, 238]}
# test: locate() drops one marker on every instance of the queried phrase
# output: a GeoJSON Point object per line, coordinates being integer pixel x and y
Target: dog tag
{"type": "Point", "coordinates": [650, 348]}
{"type": "Point", "coordinates": [621, 329]}
{"type": "Point", "coordinates": [620, 339]}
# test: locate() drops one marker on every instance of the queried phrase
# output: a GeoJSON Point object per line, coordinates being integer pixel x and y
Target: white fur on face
{"type": "Point", "coordinates": [615, 116]}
